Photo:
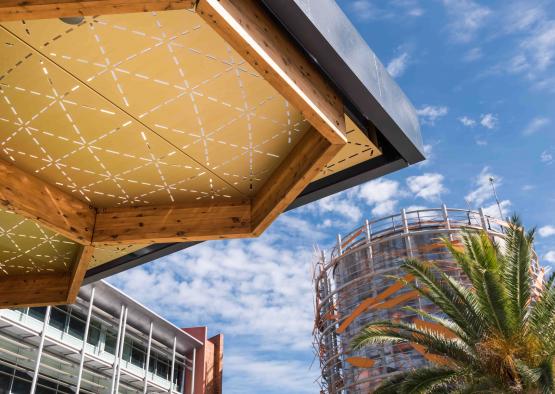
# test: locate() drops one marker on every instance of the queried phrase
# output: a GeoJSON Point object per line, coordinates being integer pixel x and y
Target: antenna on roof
{"type": "Point", "coordinates": [492, 183]}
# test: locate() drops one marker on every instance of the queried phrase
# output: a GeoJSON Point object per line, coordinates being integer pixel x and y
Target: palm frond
{"type": "Point", "coordinates": [493, 300]}
{"type": "Point", "coordinates": [440, 292]}
{"type": "Point", "coordinates": [428, 380]}
{"type": "Point", "coordinates": [446, 323]}
{"type": "Point", "coordinates": [435, 342]}
{"type": "Point", "coordinates": [541, 321]}
{"type": "Point", "coordinates": [546, 379]}
{"type": "Point", "coordinates": [516, 271]}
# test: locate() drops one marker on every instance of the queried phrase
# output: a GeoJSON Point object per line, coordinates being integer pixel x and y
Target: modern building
{"type": "Point", "coordinates": [354, 286]}
{"type": "Point", "coordinates": [135, 128]}
{"type": "Point", "coordinates": [104, 343]}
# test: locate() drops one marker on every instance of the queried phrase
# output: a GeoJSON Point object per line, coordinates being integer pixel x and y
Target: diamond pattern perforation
{"type": "Point", "coordinates": [134, 109]}
{"type": "Point", "coordinates": [26, 247]}
{"type": "Point", "coordinates": [139, 109]}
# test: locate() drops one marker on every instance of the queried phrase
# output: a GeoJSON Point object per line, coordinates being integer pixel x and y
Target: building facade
{"type": "Point", "coordinates": [104, 343]}
{"type": "Point", "coordinates": [357, 283]}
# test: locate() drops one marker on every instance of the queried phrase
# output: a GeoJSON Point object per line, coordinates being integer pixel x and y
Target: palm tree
{"type": "Point", "coordinates": [494, 334]}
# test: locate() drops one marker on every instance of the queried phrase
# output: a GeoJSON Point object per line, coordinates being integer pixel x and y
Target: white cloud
{"type": "Point", "coordinates": [473, 54]}
{"type": "Point", "coordinates": [546, 231]}
{"type": "Point", "coordinates": [520, 16]}
{"type": "Point", "coordinates": [370, 9]}
{"type": "Point", "coordinates": [488, 120]}
{"type": "Point", "coordinates": [245, 373]}
{"type": "Point", "coordinates": [483, 190]}
{"type": "Point", "coordinates": [481, 142]}
{"type": "Point", "coordinates": [428, 186]}
{"type": "Point", "coordinates": [546, 83]}
{"type": "Point", "coordinates": [493, 209]}
{"type": "Point", "coordinates": [398, 65]}
{"type": "Point", "coordinates": [550, 256]}
{"type": "Point", "coordinates": [539, 47]}
{"type": "Point", "coordinates": [534, 55]}
{"type": "Point", "coordinates": [383, 194]}
{"type": "Point", "coordinates": [365, 9]}
{"type": "Point", "coordinates": [535, 125]}
{"type": "Point", "coordinates": [467, 121]}
{"type": "Point", "coordinates": [342, 204]}
{"type": "Point", "coordinates": [257, 288]}
{"type": "Point", "coordinates": [429, 154]}
{"type": "Point", "coordinates": [466, 18]}
{"type": "Point", "coordinates": [429, 114]}
{"type": "Point", "coordinates": [546, 157]}
{"type": "Point", "coordinates": [411, 208]}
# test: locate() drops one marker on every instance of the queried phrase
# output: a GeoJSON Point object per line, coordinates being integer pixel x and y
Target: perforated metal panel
{"type": "Point", "coordinates": [27, 247]}
{"type": "Point", "coordinates": [146, 108]}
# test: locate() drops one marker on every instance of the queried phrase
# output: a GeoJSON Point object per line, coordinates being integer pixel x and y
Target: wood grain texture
{"type": "Point", "coordinates": [245, 25]}
{"type": "Point", "coordinates": [173, 223]}
{"type": "Point", "coordinates": [298, 169]}
{"type": "Point", "coordinates": [33, 290]}
{"type": "Point", "coordinates": [35, 199]}
{"type": "Point", "coordinates": [78, 272]}
{"type": "Point", "coordinates": [11, 10]}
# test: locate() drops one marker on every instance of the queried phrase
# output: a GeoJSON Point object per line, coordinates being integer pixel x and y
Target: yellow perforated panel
{"type": "Point", "coordinates": [358, 149]}
{"type": "Point", "coordinates": [27, 247]}
{"type": "Point", "coordinates": [138, 109]}
{"type": "Point", "coordinates": [103, 254]}
{"type": "Point", "coordinates": [146, 108]}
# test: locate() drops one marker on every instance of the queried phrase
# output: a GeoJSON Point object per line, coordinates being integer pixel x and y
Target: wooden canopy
{"type": "Point", "coordinates": [192, 121]}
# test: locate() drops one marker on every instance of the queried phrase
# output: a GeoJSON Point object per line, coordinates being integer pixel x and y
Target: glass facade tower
{"type": "Point", "coordinates": [358, 282]}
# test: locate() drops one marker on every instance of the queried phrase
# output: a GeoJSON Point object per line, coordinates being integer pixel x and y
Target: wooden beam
{"type": "Point", "coordinates": [28, 290]}
{"type": "Point", "coordinates": [33, 290]}
{"type": "Point", "coordinates": [11, 10]}
{"type": "Point", "coordinates": [247, 27]}
{"type": "Point", "coordinates": [78, 272]}
{"type": "Point", "coordinates": [35, 199]}
{"type": "Point", "coordinates": [298, 169]}
{"type": "Point", "coordinates": [173, 223]}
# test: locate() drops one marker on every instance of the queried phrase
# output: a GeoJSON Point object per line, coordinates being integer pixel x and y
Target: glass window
{"type": "Point", "coordinates": [58, 318]}
{"type": "Point", "coordinates": [21, 386]}
{"type": "Point", "coordinates": [64, 389]}
{"type": "Point", "coordinates": [138, 355]}
{"type": "Point", "coordinates": [178, 377]}
{"type": "Point", "coordinates": [5, 382]}
{"type": "Point", "coordinates": [77, 325]}
{"type": "Point", "coordinates": [162, 367]}
{"type": "Point", "coordinates": [44, 390]}
{"type": "Point", "coordinates": [127, 349]}
{"type": "Point", "coordinates": [47, 383]}
{"type": "Point", "coordinates": [94, 333]}
{"type": "Point", "coordinates": [152, 363]}
{"type": "Point", "coordinates": [110, 343]}
{"type": "Point", "coordinates": [38, 313]}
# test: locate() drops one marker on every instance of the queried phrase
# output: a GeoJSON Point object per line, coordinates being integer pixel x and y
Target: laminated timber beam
{"type": "Point", "coordinates": [35, 199]}
{"type": "Point", "coordinates": [77, 273]}
{"type": "Point", "coordinates": [298, 169]}
{"type": "Point", "coordinates": [173, 223]}
{"type": "Point", "coordinates": [11, 10]}
{"type": "Point", "coordinates": [207, 221]}
{"type": "Point", "coordinates": [45, 288]}
{"type": "Point", "coordinates": [247, 27]}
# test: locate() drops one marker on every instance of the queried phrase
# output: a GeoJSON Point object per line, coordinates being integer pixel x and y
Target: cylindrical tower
{"type": "Point", "coordinates": [354, 286]}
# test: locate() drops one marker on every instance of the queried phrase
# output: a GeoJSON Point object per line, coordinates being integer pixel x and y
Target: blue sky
{"type": "Point", "coordinates": [482, 77]}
